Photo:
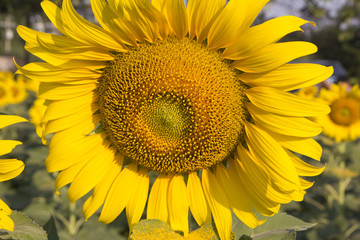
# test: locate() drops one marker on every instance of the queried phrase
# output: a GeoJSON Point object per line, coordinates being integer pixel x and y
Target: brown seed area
{"type": "Point", "coordinates": [345, 111]}
{"type": "Point", "coordinates": [172, 106]}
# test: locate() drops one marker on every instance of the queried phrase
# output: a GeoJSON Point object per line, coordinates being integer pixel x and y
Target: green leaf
{"type": "Point", "coordinates": [280, 225]}
{"type": "Point", "coordinates": [291, 235]}
{"type": "Point", "coordinates": [51, 230]}
{"type": "Point", "coordinates": [25, 229]}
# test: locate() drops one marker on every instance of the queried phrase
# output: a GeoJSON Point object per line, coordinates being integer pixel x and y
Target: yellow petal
{"type": "Point", "coordinates": [67, 149]}
{"type": "Point", "coordinates": [101, 189]}
{"type": "Point", "coordinates": [92, 172]}
{"type": "Point", "coordinates": [111, 22]}
{"type": "Point", "coordinates": [258, 182]}
{"type": "Point", "coordinates": [6, 222]}
{"type": "Point", "coordinates": [150, 21]}
{"type": "Point", "coordinates": [87, 53]}
{"type": "Point", "coordinates": [218, 203]}
{"type": "Point", "coordinates": [45, 72]}
{"type": "Point", "coordinates": [58, 91]}
{"type": "Point", "coordinates": [257, 194]}
{"type": "Point", "coordinates": [177, 17]}
{"type": "Point", "coordinates": [7, 146]}
{"type": "Point", "coordinates": [236, 17]}
{"type": "Point", "coordinates": [120, 192]}
{"type": "Point", "coordinates": [274, 56]}
{"type": "Point", "coordinates": [238, 198]}
{"type": "Point", "coordinates": [67, 175]}
{"type": "Point", "coordinates": [157, 207]}
{"type": "Point", "coordinates": [305, 184]}
{"type": "Point", "coordinates": [289, 76]}
{"type": "Point", "coordinates": [63, 108]}
{"type": "Point", "coordinates": [6, 120]}
{"type": "Point", "coordinates": [199, 24]}
{"type": "Point", "coordinates": [88, 32]}
{"type": "Point", "coordinates": [137, 202]}
{"type": "Point", "coordinates": [293, 126]}
{"type": "Point", "coordinates": [274, 157]}
{"type": "Point", "coordinates": [54, 14]}
{"type": "Point", "coordinates": [32, 36]}
{"type": "Point", "coordinates": [178, 204]}
{"type": "Point", "coordinates": [305, 146]}
{"type": "Point", "coordinates": [303, 168]}
{"type": "Point", "coordinates": [10, 168]}
{"type": "Point", "coordinates": [250, 42]}
{"type": "Point", "coordinates": [283, 103]}
{"type": "Point", "coordinates": [5, 208]}
{"type": "Point", "coordinates": [83, 114]}
{"type": "Point", "coordinates": [198, 205]}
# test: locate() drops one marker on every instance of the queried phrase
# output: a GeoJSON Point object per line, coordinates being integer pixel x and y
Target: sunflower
{"type": "Point", "coordinates": [308, 92]}
{"type": "Point", "coordinates": [193, 95]}
{"type": "Point", "coordinates": [11, 90]}
{"type": "Point", "coordinates": [9, 168]}
{"type": "Point", "coordinates": [6, 79]}
{"type": "Point", "coordinates": [4, 93]}
{"type": "Point", "coordinates": [343, 123]}
{"type": "Point", "coordinates": [17, 91]}
{"type": "Point", "coordinates": [36, 113]}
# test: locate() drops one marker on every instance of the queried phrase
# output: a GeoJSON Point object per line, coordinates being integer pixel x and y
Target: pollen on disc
{"type": "Point", "coordinates": [172, 106]}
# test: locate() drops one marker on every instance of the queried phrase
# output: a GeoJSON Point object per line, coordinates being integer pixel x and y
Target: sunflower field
{"type": "Point", "coordinates": [173, 119]}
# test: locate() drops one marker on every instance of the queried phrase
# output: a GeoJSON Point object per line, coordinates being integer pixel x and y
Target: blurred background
{"type": "Point", "coordinates": [333, 202]}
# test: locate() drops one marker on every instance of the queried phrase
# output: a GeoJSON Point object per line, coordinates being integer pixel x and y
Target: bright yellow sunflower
{"type": "Point", "coordinates": [6, 79]}
{"type": "Point", "coordinates": [11, 90]}
{"type": "Point", "coordinates": [17, 91]}
{"type": "Point", "coordinates": [343, 123]}
{"type": "Point", "coordinates": [36, 113]}
{"type": "Point", "coordinates": [6, 76]}
{"type": "Point", "coordinates": [4, 93]}
{"type": "Point", "coordinates": [308, 92]}
{"type": "Point", "coordinates": [9, 168]}
{"type": "Point", "coordinates": [194, 94]}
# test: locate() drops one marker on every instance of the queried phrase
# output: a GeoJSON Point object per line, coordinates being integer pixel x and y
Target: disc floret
{"type": "Point", "coordinates": [172, 106]}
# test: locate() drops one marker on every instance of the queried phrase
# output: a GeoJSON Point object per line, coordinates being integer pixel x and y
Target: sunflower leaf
{"type": "Point", "coordinates": [51, 230]}
{"type": "Point", "coordinates": [25, 228]}
{"type": "Point", "coordinates": [280, 226]}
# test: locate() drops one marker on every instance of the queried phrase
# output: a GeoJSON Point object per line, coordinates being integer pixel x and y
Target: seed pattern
{"type": "Point", "coordinates": [172, 106]}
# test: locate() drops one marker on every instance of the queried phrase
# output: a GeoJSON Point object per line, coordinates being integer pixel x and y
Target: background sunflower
{"type": "Point", "coordinates": [343, 122]}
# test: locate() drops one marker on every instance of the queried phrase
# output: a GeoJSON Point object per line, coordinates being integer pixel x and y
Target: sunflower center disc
{"type": "Point", "coordinates": [172, 106]}
{"type": "Point", "coordinates": [345, 111]}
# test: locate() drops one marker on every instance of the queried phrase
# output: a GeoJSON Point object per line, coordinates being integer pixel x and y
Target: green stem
{"type": "Point", "coordinates": [72, 219]}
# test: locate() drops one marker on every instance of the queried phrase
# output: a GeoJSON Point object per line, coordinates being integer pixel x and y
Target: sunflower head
{"type": "Point", "coordinates": [343, 122]}
{"type": "Point", "coordinates": [194, 93]}
{"type": "Point", "coordinates": [172, 106]}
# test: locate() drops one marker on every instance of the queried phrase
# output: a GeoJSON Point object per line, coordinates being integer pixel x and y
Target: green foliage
{"type": "Point", "coordinates": [280, 226]}
{"type": "Point", "coordinates": [50, 228]}
{"type": "Point", "coordinates": [25, 229]}
{"type": "Point", "coordinates": [334, 200]}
